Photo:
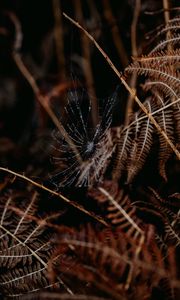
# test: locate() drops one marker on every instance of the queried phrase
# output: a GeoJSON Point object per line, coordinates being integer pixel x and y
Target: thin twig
{"type": "Point", "coordinates": [166, 11]}
{"type": "Point", "coordinates": [166, 6]}
{"type": "Point", "coordinates": [131, 91]}
{"type": "Point", "coordinates": [115, 33]}
{"type": "Point", "coordinates": [136, 14]}
{"type": "Point", "coordinates": [59, 195]}
{"type": "Point", "coordinates": [86, 62]}
{"type": "Point", "coordinates": [58, 36]}
{"type": "Point", "coordinates": [135, 53]}
{"type": "Point", "coordinates": [43, 100]}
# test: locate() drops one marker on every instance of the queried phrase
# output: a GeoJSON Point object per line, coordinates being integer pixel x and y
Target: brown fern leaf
{"type": "Point", "coordinates": [108, 260]}
{"type": "Point", "coordinates": [143, 141]}
{"type": "Point", "coordinates": [168, 111]}
{"type": "Point", "coordinates": [161, 69]}
{"type": "Point", "coordinates": [172, 25]}
{"type": "Point", "coordinates": [167, 214]}
{"type": "Point", "coordinates": [169, 35]}
{"type": "Point", "coordinates": [156, 70]}
{"type": "Point", "coordinates": [97, 257]}
{"type": "Point", "coordinates": [25, 246]}
{"type": "Point", "coordinates": [123, 142]}
{"type": "Point", "coordinates": [173, 40]}
{"type": "Point", "coordinates": [119, 210]}
{"type": "Point", "coordinates": [166, 121]}
{"type": "Point", "coordinates": [176, 114]}
{"type": "Point", "coordinates": [167, 56]}
{"type": "Point", "coordinates": [135, 143]}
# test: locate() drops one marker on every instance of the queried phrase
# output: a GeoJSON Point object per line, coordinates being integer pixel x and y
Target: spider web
{"type": "Point", "coordinates": [91, 143]}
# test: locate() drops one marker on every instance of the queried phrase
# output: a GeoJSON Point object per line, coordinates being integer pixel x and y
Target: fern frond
{"type": "Point", "coordinates": [167, 215]}
{"type": "Point", "coordinates": [123, 142]}
{"type": "Point", "coordinates": [155, 71]}
{"type": "Point", "coordinates": [173, 40]}
{"type": "Point", "coordinates": [143, 142]}
{"type": "Point", "coordinates": [25, 247]}
{"type": "Point", "coordinates": [168, 57]}
{"type": "Point", "coordinates": [160, 68]}
{"type": "Point", "coordinates": [165, 120]}
{"type": "Point", "coordinates": [107, 258]}
{"type": "Point", "coordinates": [119, 210]}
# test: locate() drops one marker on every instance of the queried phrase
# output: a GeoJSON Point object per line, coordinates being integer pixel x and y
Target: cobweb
{"type": "Point", "coordinates": [94, 145]}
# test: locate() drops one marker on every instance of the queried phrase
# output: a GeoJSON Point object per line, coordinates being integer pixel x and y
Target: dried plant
{"type": "Point", "coordinates": [107, 260]}
{"type": "Point", "coordinates": [129, 146]}
{"type": "Point", "coordinates": [113, 240]}
{"type": "Point", "coordinates": [25, 245]}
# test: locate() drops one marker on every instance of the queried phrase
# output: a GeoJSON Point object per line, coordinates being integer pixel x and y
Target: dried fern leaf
{"type": "Point", "coordinates": [167, 214]}
{"type": "Point", "coordinates": [156, 71]}
{"type": "Point", "coordinates": [143, 144]}
{"type": "Point", "coordinates": [166, 121]}
{"type": "Point", "coordinates": [123, 142]}
{"type": "Point", "coordinates": [25, 247]}
{"type": "Point", "coordinates": [104, 258]}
